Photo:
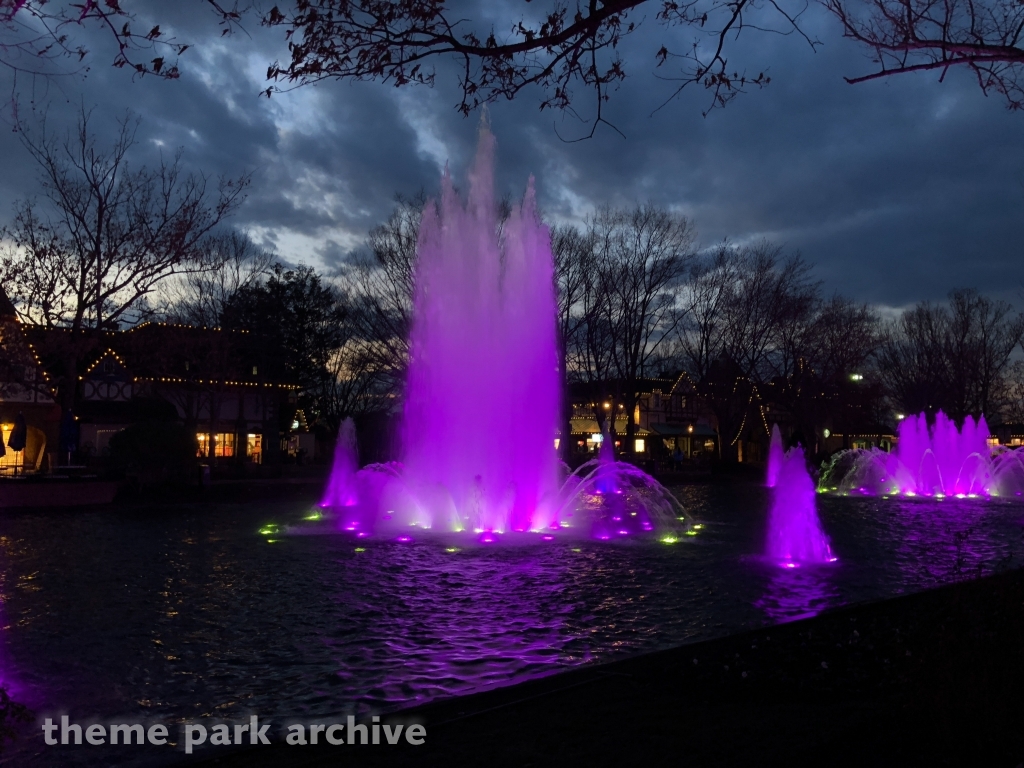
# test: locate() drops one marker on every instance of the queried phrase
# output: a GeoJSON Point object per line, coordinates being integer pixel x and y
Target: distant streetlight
{"type": "Point", "coordinates": [856, 377]}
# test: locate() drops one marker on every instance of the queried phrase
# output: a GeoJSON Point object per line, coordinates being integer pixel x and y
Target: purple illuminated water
{"type": "Point", "coordinates": [218, 618]}
{"type": "Point", "coordinates": [483, 395]}
{"type": "Point", "coordinates": [930, 460]}
{"type": "Point", "coordinates": [483, 391]}
{"type": "Point", "coordinates": [775, 455]}
{"type": "Point", "coordinates": [795, 536]}
{"type": "Point", "coordinates": [341, 485]}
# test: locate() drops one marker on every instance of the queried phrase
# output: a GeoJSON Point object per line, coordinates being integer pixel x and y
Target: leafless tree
{"type": "Point", "coordinates": [1013, 394]}
{"type": "Point", "coordinates": [770, 291]}
{"type": "Point", "coordinates": [983, 36]}
{"type": "Point", "coordinates": [234, 262]}
{"type": "Point", "coordinates": [709, 286]}
{"type": "Point", "coordinates": [750, 313]}
{"type": "Point", "coordinates": [573, 251]}
{"type": "Point", "coordinates": [953, 358]}
{"type": "Point", "coordinates": [843, 339]}
{"type": "Point", "coordinates": [982, 335]}
{"type": "Point", "coordinates": [38, 36]}
{"type": "Point", "coordinates": [380, 284]}
{"type": "Point", "coordinates": [559, 47]}
{"type": "Point", "coordinates": [911, 358]}
{"type": "Point", "coordinates": [108, 234]}
{"type": "Point", "coordinates": [642, 257]}
{"type": "Point", "coordinates": [556, 48]}
{"type": "Point", "coordinates": [828, 379]}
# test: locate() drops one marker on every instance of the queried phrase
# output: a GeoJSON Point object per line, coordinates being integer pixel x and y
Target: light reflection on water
{"type": "Point", "coordinates": [175, 613]}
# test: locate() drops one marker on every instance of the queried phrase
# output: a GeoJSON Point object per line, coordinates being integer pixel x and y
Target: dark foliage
{"type": "Point", "coordinates": [300, 322]}
{"type": "Point", "coordinates": [154, 452]}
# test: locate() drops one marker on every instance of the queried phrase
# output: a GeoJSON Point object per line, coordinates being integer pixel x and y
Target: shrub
{"type": "Point", "coordinates": [154, 452]}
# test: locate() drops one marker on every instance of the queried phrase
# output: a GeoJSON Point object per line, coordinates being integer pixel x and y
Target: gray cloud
{"type": "Point", "coordinates": [897, 190]}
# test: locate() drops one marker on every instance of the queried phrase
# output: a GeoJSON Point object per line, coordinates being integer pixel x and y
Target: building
{"type": "Point", "coordinates": [219, 384]}
{"type": "Point", "coordinates": [24, 391]}
{"type": "Point", "coordinates": [670, 424]}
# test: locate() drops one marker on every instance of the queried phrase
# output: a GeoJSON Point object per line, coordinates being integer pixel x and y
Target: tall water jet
{"type": "Point", "coordinates": [341, 485]}
{"type": "Point", "coordinates": [606, 482]}
{"type": "Point", "coordinates": [775, 454]}
{"type": "Point", "coordinates": [483, 390]}
{"type": "Point", "coordinates": [483, 396]}
{"type": "Point", "coordinates": [795, 535]}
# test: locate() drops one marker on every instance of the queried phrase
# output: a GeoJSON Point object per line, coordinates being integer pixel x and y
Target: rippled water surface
{"type": "Point", "coordinates": [176, 612]}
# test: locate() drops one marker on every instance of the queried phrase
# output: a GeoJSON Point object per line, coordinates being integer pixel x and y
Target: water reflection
{"type": "Point", "coordinates": [798, 593]}
{"type": "Point", "coordinates": [179, 612]}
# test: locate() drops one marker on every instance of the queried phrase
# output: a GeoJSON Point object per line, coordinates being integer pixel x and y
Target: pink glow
{"type": "Point", "coordinates": [942, 459]}
{"type": "Point", "coordinates": [794, 529]}
{"type": "Point", "coordinates": [775, 454]}
{"type": "Point", "coordinates": [341, 487]}
{"type": "Point", "coordinates": [483, 393]}
{"type": "Point", "coordinates": [934, 461]}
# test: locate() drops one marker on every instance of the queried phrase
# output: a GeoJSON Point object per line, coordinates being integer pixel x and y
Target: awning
{"type": "Point", "coordinates": [582, 426]}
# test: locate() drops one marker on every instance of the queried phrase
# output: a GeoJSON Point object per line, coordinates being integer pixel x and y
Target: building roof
{"type": "Point", "coordinates": [165, 352]}
{"type": "Point", "coordinates": [595, 391]}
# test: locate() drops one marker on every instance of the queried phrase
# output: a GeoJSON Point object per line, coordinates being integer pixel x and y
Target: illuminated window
{"type": "Point", "coordinates": [558, 442]}
{"type": "Point", "coordinates": [992, 442]}
{"type": "Point", "coordinates": [225, 445]}
{"type": "Point", "coordinates": [254, 447]}
{"type": "Point", "coordinates": [639, 445]}
{"type": "Point", "coordinates": [10, 462]}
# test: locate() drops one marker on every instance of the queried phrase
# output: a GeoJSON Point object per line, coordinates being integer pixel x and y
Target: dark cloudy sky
{"type": "Point", "coordinates": [897, 191]}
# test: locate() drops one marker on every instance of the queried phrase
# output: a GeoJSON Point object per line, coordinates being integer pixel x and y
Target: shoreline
{"type": "Point", "coordinates": [932, 678]}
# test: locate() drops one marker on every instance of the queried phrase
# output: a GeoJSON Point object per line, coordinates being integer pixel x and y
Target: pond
{"type": "Point", "coordinates": [173, 612]}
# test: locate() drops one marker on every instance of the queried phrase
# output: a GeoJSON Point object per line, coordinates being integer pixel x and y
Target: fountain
{"type": "Point", "coordinates": [938, 461]}
{"type": "Point", "coordinates": [483, 395]}
{"type": "Point", "coordinates": [341, 486]}
{"type": "Point", "coordinates": [618, 499]}
{"type": "Point", "coordinates": [795, 536]}
{"type": "Point", "coordinates": [775, 456]}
